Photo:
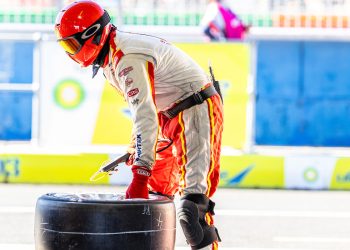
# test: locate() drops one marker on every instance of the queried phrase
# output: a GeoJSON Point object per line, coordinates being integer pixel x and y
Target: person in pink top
{"type": "Point", "coordinates": [220, 23]}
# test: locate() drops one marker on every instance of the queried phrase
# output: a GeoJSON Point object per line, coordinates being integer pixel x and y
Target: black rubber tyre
{"type": "Point", "coordinates": [104, 221]}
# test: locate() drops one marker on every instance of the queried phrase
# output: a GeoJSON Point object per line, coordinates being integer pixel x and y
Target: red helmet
{"type": "Point", "coordinates": [82, 28]}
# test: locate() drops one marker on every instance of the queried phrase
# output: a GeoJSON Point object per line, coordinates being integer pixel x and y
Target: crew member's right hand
{"type": "Point", "coordinates": [131, 150]}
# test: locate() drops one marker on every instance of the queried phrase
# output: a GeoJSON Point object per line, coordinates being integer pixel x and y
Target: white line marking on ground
{"type": "Point", "coordinates": [16, 210]}
{"type": "Point", "coordinates": [249, 248]}
{"type": "Point", "coordinates": [278, 213]}
{"type": "Point", "coordinates": [31, 247]}
{"type": "Point", "coordinates": [17, 246]}
{"type": "Point", "coordinates": [312, 239]}
{"type": "Point", "coordinates": [225, 212]}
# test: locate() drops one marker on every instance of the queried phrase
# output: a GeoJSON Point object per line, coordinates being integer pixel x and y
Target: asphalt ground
{"type": "Point", "coordinates": [247, 219]}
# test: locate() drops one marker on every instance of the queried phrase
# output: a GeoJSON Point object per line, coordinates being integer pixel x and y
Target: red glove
{"type": "Point", "coordinates": [138, 186]}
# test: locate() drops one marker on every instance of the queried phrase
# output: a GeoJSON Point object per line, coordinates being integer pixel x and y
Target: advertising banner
{"type": "Point", "coordinates": [309, 172]}
{"type": "Point", "coordinates": [51, 168]}
{"type": "Point", "coordinates": [236, 171]}
{"type": "Point", "coordinates": [341, 174]}
{"type": "Point", "coordinates": [252, 171]}
{"type": "Point", "coordinates": [244, 171]}
{"type": "Point", "coordinates": [70, 99]}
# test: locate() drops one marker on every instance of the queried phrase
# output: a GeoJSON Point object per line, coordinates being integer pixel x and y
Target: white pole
{"type": "Point", "coordinates": [251, 91]}
{"type": "Point", "coordinates": [36, 89]}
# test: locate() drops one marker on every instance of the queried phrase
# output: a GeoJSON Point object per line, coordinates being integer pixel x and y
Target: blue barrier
{"type": "Point", "coordinates": [15, 115]}
{"type": "Point", "coordinates": [16, 62]}
{"type": "Point", "coordinates": [16, 67]}
{"type": "Point", "coordinates": [303, 91]}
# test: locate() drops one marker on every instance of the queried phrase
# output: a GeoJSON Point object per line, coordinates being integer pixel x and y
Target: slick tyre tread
{"type": "Point", "coordinates": [104, 221]}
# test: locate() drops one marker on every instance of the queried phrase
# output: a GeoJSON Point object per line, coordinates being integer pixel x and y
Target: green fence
{"type": "Point", "coordinates": [42, 17]}
{"type": "Point", "coordinates": [187, 19]}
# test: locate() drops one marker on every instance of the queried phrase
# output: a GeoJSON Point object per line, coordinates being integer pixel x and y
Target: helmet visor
{"type": "Point", "coordinates": [74, 43]}
{"type": "Point", "coordinates": [70, 45]}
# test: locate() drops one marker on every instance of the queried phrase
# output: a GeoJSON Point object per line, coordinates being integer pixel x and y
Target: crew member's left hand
{"type": "Point", "coordinates": [138, 186]}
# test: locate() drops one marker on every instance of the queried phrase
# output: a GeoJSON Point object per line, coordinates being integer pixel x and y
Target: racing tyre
{"type": "Point", "coordinates": [104, 221]}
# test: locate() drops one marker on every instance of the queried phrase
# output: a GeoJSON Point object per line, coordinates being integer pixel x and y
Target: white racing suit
{"type": "Point", "coordinates": [154, 75]}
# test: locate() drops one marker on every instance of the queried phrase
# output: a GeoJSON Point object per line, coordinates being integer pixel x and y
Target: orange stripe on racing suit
{"type": "Point", "coordinates": [183, 157]}
{"type": "Point", "coordinates": [206, 163]}
{"type": "Point", "coordinates": [150, 71]}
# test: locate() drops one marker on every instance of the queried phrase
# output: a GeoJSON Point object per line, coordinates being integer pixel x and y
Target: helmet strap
{"type": "Point", "coordinates": [100, 59]}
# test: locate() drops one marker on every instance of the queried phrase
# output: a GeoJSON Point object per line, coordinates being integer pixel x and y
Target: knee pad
{"type": "Point", "coordinates": [191, 213]}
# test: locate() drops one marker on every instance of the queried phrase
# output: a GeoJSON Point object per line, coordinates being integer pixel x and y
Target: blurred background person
{"type": "Point", "coordinates": [221, 23]}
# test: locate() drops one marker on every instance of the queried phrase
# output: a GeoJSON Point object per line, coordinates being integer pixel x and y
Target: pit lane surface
{"type": "Point", "coordinates": [247, 219]}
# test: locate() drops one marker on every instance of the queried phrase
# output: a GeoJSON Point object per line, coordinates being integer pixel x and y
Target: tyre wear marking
{"type": "Point", "coordinates": [160, 222]}
{"type": "Point", "coordinates": [146, 210]}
